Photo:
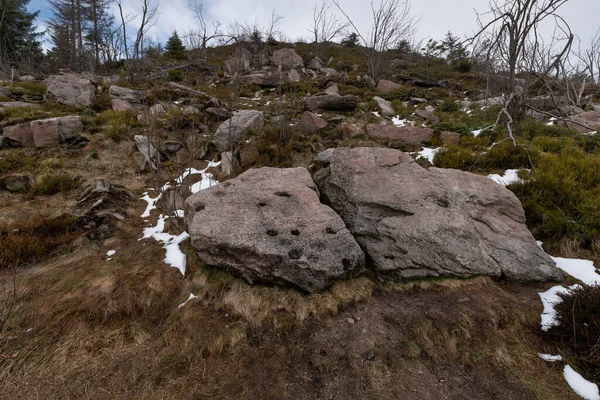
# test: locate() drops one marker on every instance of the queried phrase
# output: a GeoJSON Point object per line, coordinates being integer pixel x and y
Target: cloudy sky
{"type": "Point", "coordinates": [436, 17]}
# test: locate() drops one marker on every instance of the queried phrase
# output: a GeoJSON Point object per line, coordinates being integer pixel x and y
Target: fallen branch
{"type": "Point", "coordinates": [189, 89]}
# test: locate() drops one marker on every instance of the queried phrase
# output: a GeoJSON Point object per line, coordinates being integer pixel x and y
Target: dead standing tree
{"type": "Point", "coordinates": [326, 26]}
{"type": "Point", "coordinates": [205, 34]}
{"type": "Point", "coordinates": [392, 23]}
{"type": "Point", "coordinates": [513, 27]}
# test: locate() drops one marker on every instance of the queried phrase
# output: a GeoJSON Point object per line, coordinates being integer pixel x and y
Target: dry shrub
{"type": "Point", "coordinates": [35, 239]}
{"type": "Point", "coordinates": [579, 327]}
{"type": "Point", "coordinates": [54, 183]}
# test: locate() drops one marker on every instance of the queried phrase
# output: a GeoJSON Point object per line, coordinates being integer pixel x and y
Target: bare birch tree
{"type": "Point", "coordinates": [205, 33]}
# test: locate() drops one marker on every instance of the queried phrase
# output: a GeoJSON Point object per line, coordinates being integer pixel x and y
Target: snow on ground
{"type": "Point", "coordinates": [510, 176]}
{"type": "Point", "coordinates": [111, 253]}
{"type": "Point", "coordinates": [551, 298]}
{"type": "Point", "coordinates": [151, 203]}
{"type": "Point", "coordinates": [174, 256]}
{"type": "Point", "coordinates": [428, 153]}
{"type": "Point", "coordinates": [583, 270]}
{"type": "Point", "coordinates": [551, 122]}
{"type": "Point", "coordinates": [582, 387]}
{"type": "Point", "coordinates": [192, 297]}
{"type": "Point", "coordinates": [375, 113]}
{"type": "Point", "coordinates": [399, 122]}
{"type": "Point", "coordinates": [549, 357]}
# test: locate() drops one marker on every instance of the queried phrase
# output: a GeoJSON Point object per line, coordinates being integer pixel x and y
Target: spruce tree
{"type": "Point", "coordinates": [19, 42]}
{"type": "Point", "coordinates": [174, 47]}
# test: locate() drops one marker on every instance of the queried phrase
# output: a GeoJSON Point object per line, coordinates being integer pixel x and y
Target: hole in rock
{"type": "Point", "coordinates": [295, 232]}
{"type": "Point", "coordinates": [330, 231]}
{"type": "Point", "coordinates": [283, 194]}
{"type": "Point", "coordinates": [295, 254]}
{"type": "Point", "coordinates": [271, 232]}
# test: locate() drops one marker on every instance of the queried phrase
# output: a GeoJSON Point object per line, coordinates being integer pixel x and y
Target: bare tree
{"type": "Point", "coordinates": [591, 57]}
{"type": "Point", "coordinates": [513, 27]}
{"type": "Point", "coordinates": [205, 33]}
{"type": "Point", "coordinates": [124, 20]}
{"type": "Point", "coordinates": [149, 19]}
{"type": "Point", "coordinates": [392, 23]}
{"type": "Point", "coordinates": [326, 26]}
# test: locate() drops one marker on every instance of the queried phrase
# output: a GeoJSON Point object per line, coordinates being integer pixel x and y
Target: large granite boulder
{"type": "Point", "coordinates": [287, 59]}
{"type": "Point", "coordinates": [235, 128]}
{"type": "Point", "coordinates": [44, 132]}
{"type": "Point", "coordinates": [266, 79]}
{"type": "Point", "coordinates": [71, 89]}
{"type": "Point", "coordinates": [19, 135]}
{"type": "Point", "coordinates": [416, 223]}
{"type": "Point", "coordinates": [268, 225]}
{"type": "Point", "coordinates": [384, 86]}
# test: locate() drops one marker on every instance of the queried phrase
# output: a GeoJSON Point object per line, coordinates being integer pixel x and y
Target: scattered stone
{"type": "Point", "coordinates": [287, 59]}
{"type": "Point", "coordinates": [331, 103]}
{"type": "Point", "coordinates": [161, 109]}
{"type": "Point", "coordinates": [120, 105]}
{"type": "Point", "coordinates": [450, 137]}
{"type": "Point", "coordinates": [220, 113]}
{"type": "Point", "coordinates": [293, 76]}
{"type": "Point", "coordinates": [332, 90]}
{"type": "Point", "coordinates": [71, 89]}
{"type": "Point", "coordinates": [385, 106]}
{"type": "Point", "coordinates": [27, 79]}
{"type": "Point", "coordinates": [412, 138]}
{"type": "Point", "coordinates": [350, 320]}
{"type": "Point", "coordinates": [268, 225]}
{"type": "Point", "coordinates": [270, 79]}
{"type": "Point", "coordinates": [45, 133]}
{"type": "Point", "coordinates": [330, 72]}
{"type": "Point", "coordinates": [191, 110]}
{"type": "Point", "coordinates": [16, 183]}
{"type": "Point", "coordinates": [352, 131]}
{"type": "Point", "coordinates": [369, 82]}
{"type": "Point", "coordinates": [19, 135]}
{"type": "Point", "coordinates": [316, 64]}
{"type": "Point", "coordinates": [311, 123]}
{"type": "Point", "coordinates": [427, 116]}
{"type": "Point", "coordinates": [236, 65]}
{"type": "Point", "coordinates": [237, 127]}
{"type": "Point", "coordinates": [415, 223]}
{"type": "Point", "coordinates": [387, 86]}
{"type": "Point", "coordinates": [117, 92]}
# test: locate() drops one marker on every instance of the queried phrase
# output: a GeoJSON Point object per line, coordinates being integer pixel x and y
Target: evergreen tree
{"type": "Point", "coordinates": [174, 47]}
{"type": "Point", "coordinates": [456, 53]}
{"type": "Point", "coordinates": [19, 42]}
{"type": "Point", "coordinates": [351, 40]}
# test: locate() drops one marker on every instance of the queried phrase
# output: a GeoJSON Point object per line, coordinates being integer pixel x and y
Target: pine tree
{"type": "Point", "coordinates": [350, 41]}
{"type": "Point", "coordinates": [19, 42]}
{"type": "Point", "coordinates": [174, 47]}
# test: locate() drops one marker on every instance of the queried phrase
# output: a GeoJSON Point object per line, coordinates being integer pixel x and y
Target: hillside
{"type": "Point", "coordinates": [124, 192]}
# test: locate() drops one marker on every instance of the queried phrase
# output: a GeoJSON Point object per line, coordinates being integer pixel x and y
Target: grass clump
{"type": "Point", "coordinates": [53, 183]}
{"type": "Point", "coordinates": [11, 160]}
{"type": "Point", "coordinates": [120, 123]}
{"type": "Point", "coordinates": [35, 239]}
{"type": "Point", "coordinates": [578, 328]}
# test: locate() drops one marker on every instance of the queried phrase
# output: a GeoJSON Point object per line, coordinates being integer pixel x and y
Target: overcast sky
{"type": "Point", "coordinates": [436, 17]}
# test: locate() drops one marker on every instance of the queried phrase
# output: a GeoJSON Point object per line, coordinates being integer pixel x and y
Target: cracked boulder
{"type": "Point", "coordinates": [268, 225]}
{"type": "Point", "coordinates": [416, 223]}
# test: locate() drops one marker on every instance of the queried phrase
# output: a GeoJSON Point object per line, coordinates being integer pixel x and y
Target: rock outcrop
{"type": "Point", "coordinates": [268, 225]}
{"type": "Point", "coordinates": [71, 89]}
{"type": "Point", "coordinates": [44, 132]}
{"type": "Point", "coordinates": [417, 223]}
{"type": "Point", "coordinates": [235, 128]}
{"type": "Point", "coordinates": [118, 92]}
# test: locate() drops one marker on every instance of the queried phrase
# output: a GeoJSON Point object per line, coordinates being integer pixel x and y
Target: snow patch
{"type": "Point", "coordinates": [399, 122]}
{"type": "Point", "coordinates": [192, 297]}
{"type": "Point", "coordinates": [550, 299]}
{"type": "Point", "coordinates": [583, 270]}
{"type": "Point", "coordinates": [179, 213]}
{"type": "Point", "coordinates": [580, 385]}
{"type": "Point", "coordinates": [111, 253]}
{"type": "Point", "coordinates": [151, 203]}
{"type": "Point", "coordinates": [375, 113]}
{"type": "Point", "coordinates": [549, 357]}
{"type": "Point", "coordinates": [174, 256]}
{"type": "Point", "coordinates": [510, 176]}
{"type": "Point", "coordinates": [429, 154]}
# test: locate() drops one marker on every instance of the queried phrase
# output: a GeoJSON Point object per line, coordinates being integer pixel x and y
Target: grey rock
{"type": "Point", "coordinates": [118, 92]}
{"type": "Point", "coordinates": [71, 89]}
{"type": "Point", "coordinates": [369, 82]}
{"type": "Point", "coordinates": [330, 72]}
{"type": "Point", "coordinates": [293, 76]}
{"type": "Point", "coordinates": [417, 223]}
{"type": "Point", "coordinates": [311, 123]}
{"type": "Point", "coordinates": [27, 78]}
{"type": "Point", "coordinates": [385, 106]}
{"type": "Point", "coordinates": [268, 225]}
{"type": "Point", "coordinates": [236, 128]}
{"type": "Point", "coordinates": [267, 79]}
{"type": "Point", "coordinates": [332, 90]}
{"type": "Point", "coordinates": [385, 86]}
{"type": "Point", "coordinates": [287, 59]}
{"type": "Point", "coordinates": [120, 105]}
{"type": "Point", "coordinates": [45, 132]}
{"type": "Point", "coordinates": [427, 115]}
{"type": "Point", "coordinates": [331, 103]}
{"type": "Point", "coordinates": [236, 65]}
{"type": "Point", "coordinates": [19, 135]}
{"type": "Point", "coordinates": [16, 183]}
{"type": "Point", "coordinates": [409, 137]}
{"type": "Point", "coordinates": [316, 64]}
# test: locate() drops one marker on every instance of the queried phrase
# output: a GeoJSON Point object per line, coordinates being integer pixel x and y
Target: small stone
{"type": "Point", "coordinates": [350, 320]}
